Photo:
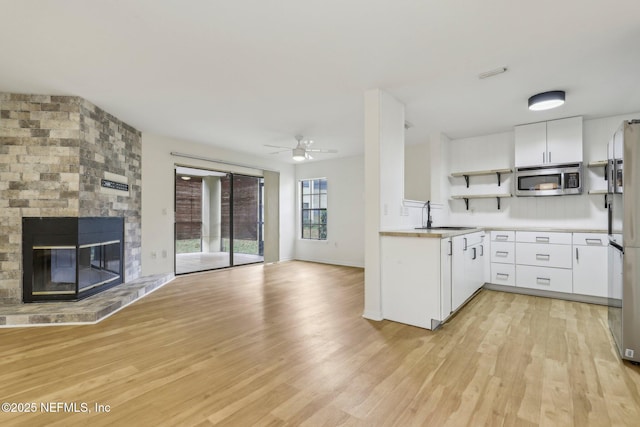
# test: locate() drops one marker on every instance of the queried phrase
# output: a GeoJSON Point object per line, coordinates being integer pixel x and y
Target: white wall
{"type": "Point", "coordinates": [158, 194]}
{"type": "Point", "coordinates": [345, 209]}
{"type": "Point", "coordinates": [496, 151]}
{"type": "Point", "coordinates": [417, 172]}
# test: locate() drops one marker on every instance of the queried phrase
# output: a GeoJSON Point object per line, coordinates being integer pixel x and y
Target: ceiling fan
{"type": "Point", "coordinates": [302, 150]}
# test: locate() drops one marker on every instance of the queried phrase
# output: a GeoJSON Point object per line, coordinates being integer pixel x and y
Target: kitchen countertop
{"type": "Point", "coordinates": [443, 234]}
{"type": "Point", "coordinates": [433, 233]}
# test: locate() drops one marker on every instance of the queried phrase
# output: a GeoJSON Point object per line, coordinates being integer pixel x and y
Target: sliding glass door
{"type": "Point", "coordinates": [218, 221]}
{"type": "Point", "coordinates": [247, 219]}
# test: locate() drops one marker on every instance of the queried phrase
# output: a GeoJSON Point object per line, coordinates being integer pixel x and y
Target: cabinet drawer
{"type": "Point", "coordinates": [503, 252]}
{"type": "Point", "coordinates": [543, 255]}
{"type": "Point", "coordinates": [549, 279]}
{"type": "Point", "coordinates": [590, 239]}
{"type": "Point", "coordinates": [503, 236]}
{"type": "Point", "coordinates": [543, 237]}
{"type": "Point", "coordinates": [503, 274]}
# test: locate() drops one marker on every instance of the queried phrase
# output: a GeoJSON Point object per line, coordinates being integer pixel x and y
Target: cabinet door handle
{"type": "Point", "coordinates": [549, 156]}
{"type": "Point", "coordinates": [474, 253]}
{"type": "Point", "coordinates": [450, 248]}
{"type": "Point", "coordinates": [543, 157]}
{"type": "Point", "coordinates": [543, 257]}
{"type": "Point", "coordinates": [594, 241]}
{"type": "Point", "coordinates": [465, 243]}
{"type": "Point", "coordinates": [481, 250]}
{"type": "Point", "coordinates": [542, 239]}
{"type": "Point", "coordinates": [502, 275]}
{"type": "Point", "coordinates": [577, 255]}
{"type": "Point", "coordinates": [502, 254]}
{"type": "Point", "coordinates": [543, 281]}
{"type": "Point", "coordinates": [502, 237]}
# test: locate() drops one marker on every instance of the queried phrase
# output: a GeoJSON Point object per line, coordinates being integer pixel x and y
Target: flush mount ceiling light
{"type": "Point", "coordinates": [186, 178]}
{"type": "Point", "coordinates": [546, 100]}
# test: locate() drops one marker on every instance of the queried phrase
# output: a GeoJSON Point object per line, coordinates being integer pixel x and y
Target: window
{"type": "Point", "coordinates": [314, 208]}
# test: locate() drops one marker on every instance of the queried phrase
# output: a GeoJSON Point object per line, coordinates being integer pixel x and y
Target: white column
{"type": "Point", "coordinates": [211, 214]}
{"type": "Point", "coordinates": [384, 186]}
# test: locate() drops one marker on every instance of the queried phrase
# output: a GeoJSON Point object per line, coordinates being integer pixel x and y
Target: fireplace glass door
{"type": "Point", "coordinates": [54, 270]}
{"type": "Point", "coordinates": [98, 264]}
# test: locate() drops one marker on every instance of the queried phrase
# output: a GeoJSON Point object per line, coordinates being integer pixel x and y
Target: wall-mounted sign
{"type": "Point", "coordinates": [107, 183]}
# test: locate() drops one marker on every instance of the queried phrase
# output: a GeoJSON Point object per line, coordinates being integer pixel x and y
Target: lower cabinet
{"type": "Point", "coordinates": [544, 278]}
{"type": "Point", "coordinates": [503, 274]}
{"type": "Point", "coordinates": [467, 267]}
{"type": "Point", "coordinates": [590, 264]}
{"type": "Point", "coordinates": [415, 280]}
{"type": "Point", "coordinates": [571, 263]}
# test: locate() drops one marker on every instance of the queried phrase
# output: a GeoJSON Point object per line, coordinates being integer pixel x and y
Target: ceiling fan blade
{"type": "Point", "coordinates": [280, 151]}
{"type": "Point", "coordinates": [277, 146]}
{"type": "Point", "coordinates": [322, 150]}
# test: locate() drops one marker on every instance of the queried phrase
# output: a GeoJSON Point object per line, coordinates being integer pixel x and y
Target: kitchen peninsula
{"type": "Point", "coordinates": [428, 274]}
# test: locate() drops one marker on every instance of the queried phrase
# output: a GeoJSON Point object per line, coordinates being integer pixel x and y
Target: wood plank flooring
{"type": "Point", "coordinates": [285, 345]}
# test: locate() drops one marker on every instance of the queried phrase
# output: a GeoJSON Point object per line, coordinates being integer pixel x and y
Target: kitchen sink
{"type": "Point", "coordinates": [445, 228]}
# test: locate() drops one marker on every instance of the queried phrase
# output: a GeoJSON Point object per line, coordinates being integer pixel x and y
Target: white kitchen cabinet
{"type": "Point", "coordinates": [467, 267]}
{"type": "Point", "coordinates": [544, 278]}
{"type": "Point", "coordinates": [543, 255]}
{"type": "Point", "coordinates": [416, 280]}
{"type": "Point", "coordinates": [531, 144]}
{"type": "Point", "coordinates": [543, 261]}
{"type": "Point", "coordinates": [556, 141]}
{"type": "Point", "coordinates": [590, 270]}
{"type": "Point", "coordinates": [446, 256]}
{"type": "Point", "coordinates": [503, 254]}
{"type": "Point", "coordinates": [503, 274]}
{"type": "Point", "coordinates": [554, 238]}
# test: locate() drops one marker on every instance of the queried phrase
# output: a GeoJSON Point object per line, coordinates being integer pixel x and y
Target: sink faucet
{"type": "Point", "coordinates": [428, 206]}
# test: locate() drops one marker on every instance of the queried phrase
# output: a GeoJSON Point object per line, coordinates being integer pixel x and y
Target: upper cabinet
{"type": "Point", "coordinates": [556, 141]}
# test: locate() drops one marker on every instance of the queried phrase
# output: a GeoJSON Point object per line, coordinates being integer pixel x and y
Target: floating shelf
{"type": "Point", "coordinates": [597, 164]}
{"type": "Point", "coordinates": [466, 175]}
{"type": "Point", "coordinates": [466, 197]}
{"type": "Point", "coordinates": [600, 193]}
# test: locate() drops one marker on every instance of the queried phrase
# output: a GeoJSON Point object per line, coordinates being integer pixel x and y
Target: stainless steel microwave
{"type": "Point", "coordinates": [549, 180]}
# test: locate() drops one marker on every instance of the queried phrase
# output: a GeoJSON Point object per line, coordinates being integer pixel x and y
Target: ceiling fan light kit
{"type": "Point", "coordinates": [298, 154]}
{"type": "Point", "coordinates": [302, 149]}
{"type": "Point", "coordinates": [546, 100]}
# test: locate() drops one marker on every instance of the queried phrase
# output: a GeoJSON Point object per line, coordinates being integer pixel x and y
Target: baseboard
{"type": "Point", "coordinates": [332, 262]}
{"type": "Point", "coordinates": [377, 316]}
{"type": "Point", "coordinates": [547, 294]}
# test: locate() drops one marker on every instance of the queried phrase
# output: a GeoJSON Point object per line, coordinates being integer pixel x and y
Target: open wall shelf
{"type": "Point", "coordinates": [466, 197]}
{"type": "Point", "coordinates": [466, 175]}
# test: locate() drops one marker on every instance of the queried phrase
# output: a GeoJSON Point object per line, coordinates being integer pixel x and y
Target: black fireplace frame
{"type": "Point", "coordinates": [71, 232]}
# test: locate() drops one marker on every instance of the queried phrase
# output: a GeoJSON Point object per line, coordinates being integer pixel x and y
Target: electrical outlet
{"type": "Point", "coordinates": [628, 353]}
{"type": "Point", "coordinates": [154, 255]}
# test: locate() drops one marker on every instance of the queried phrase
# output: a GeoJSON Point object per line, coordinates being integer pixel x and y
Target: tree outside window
{"type": "Point", "coordinates": [314, 208]}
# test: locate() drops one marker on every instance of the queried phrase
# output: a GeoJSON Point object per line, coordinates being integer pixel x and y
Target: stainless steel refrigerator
{"type": "Point", "coordinates": [623, 202]}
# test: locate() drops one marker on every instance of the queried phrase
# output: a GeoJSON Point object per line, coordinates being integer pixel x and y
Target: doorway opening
{"type": "Point", "coordinates": [219, 220]}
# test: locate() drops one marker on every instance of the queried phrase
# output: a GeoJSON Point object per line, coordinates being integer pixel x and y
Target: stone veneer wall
{"type": "Point", "coordinates": [53, 152]}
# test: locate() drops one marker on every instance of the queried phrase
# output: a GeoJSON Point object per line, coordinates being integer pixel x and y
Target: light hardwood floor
{"type": "Point", "coordinates": [285, 344]}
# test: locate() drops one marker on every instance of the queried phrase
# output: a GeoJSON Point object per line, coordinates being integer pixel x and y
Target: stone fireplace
{"type": "Point", "coordinates": [61, 157]}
